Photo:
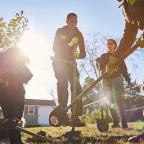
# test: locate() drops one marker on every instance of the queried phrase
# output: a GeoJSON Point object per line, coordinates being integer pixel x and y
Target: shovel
{"type": "Point", "coordinates": [58, 115]}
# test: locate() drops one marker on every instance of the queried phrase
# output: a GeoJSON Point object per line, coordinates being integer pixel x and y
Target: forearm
{"type": "Point", "coordinates": [82, 47]}
{"type": "Point", "coordinates": [56, 42]}
{"type": "Point", "coordinates": [125, 73]}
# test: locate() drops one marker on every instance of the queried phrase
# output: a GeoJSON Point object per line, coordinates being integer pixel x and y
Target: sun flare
{"type": "Point", "coordinates": [35, 46]}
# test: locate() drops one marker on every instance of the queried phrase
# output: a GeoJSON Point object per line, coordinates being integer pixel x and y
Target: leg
{"type": "Point", "coordinates": [13, 111]}
{"type": "Point", "coordinates": [78, 91]}
{"type": "Point", "coordinates": [106, 94]}
{"type": "Point", "coordinates": [118, 92]}
{"type": "Point", "coordinates": [77, 120]}
{"type": "Point", "coordinates": [15, 135]}
{"type": "Point", "coordinates": [62, 90]}
{"type": "Point", "coordinates": [62, 86]}
{"type": "Point", "coordinates": [107, 90]}
{"type": "Point", "coordinates": [121, 105]}
{"type": "Point", "coordinates": [79, 102]}
{"type": "Point", "coordinates": [114, 117]}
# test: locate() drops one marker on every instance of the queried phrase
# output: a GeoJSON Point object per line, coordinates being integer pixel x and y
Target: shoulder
{"type": "Point", "coordinates": [78, 32]}
{"type": "Point", "coordinates": [59, 30]}
{"type": "Point", "coordinates": [104, 55]}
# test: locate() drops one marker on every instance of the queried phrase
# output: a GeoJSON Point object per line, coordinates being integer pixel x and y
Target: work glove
{"type": "Point", "coordinates": [112, 67]}
{"type": "Point", "coordinates": [76, 54]}
{"type": "Point", "coordinates": [141, 41]}
{"type": "Point", "coordinates": [74, 42]}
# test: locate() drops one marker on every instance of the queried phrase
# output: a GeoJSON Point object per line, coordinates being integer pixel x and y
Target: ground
{"type": "Point", "coordinates": [90, 134]}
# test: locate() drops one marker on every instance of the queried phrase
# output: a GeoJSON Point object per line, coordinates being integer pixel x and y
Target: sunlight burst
{"type": "Point", "coordinates": [36, 47]}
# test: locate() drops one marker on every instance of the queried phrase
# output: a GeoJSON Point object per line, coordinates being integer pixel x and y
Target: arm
{"type": "Point", "coordinates": [98, 63]}
{"type": "Point", "coordinates": [101, 62]}
{"type": "Point", "coordinates": [81, 46]}
{"type": "Point", "coordinates": [128, 38]}
{"type": "Point", "coordinates": [125, 72]}
{"type": "Point", "coordinates": [56, 41]}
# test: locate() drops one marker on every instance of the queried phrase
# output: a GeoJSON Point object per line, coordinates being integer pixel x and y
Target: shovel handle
{"type": "Point", "coordinates": [73, 97]}
{"type": "Point", "coordinates": [85, 91]}
{"type": "Point", "coordinates": [30, 133]}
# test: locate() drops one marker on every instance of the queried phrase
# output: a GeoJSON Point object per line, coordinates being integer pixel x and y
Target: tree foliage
{"type": "Point", "coordinates": [11, 32]}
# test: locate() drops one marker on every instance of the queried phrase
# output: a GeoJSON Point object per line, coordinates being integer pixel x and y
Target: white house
{"type": "Point", "coordinates": [36, 112]}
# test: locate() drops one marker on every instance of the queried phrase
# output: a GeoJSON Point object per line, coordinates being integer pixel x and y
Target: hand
{"type": "Point", "coordinates": [74, 42]}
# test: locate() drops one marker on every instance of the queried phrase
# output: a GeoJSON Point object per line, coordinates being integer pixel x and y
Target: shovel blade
{"type": "Point", "coordinates": [58, 117]}
{"type": "Point", "coordinates": [102, 125]}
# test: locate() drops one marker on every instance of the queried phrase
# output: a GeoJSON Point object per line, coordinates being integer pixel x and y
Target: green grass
{"type": "Point", "coordinates": [91, 135]}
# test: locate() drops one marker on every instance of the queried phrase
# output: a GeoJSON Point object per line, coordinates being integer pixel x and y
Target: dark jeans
{"type": "Point", "coordinates": [13, 110]}
{"type": "Point", "coordinates": [64, 75]}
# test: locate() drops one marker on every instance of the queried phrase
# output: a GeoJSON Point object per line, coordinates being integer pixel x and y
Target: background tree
{"type": "Point", "coordinates": [93, 50]}
{"type": "Point", "coordinates": [11, 32]}
{"type": "Point", "coordinates": [91, 96]}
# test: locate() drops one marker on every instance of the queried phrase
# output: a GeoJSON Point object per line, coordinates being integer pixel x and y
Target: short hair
{"type": "Point", "coordinates": [71, 15]}
{"type": "Point", "coordinates": [114, 41]}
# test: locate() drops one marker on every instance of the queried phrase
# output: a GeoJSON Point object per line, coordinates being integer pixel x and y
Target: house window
{"type": "Point", "coordinates": [31, 110]}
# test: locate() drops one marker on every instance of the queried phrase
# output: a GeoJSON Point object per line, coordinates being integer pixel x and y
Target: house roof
{"type": "Point", "coordinates": [40, 102]}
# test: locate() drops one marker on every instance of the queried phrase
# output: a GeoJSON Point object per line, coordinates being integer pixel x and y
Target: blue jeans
{"type": "Point", "coordinates": [113, 90]}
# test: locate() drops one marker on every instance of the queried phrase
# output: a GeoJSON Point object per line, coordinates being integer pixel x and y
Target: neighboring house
{"type": "Point", "coordinates": [36, 112]}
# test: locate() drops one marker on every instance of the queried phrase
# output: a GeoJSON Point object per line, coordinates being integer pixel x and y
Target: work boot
{"type": "Point", "coordinates": [78, 122]}
{"type": "Point", "coordinates": [124, 124]}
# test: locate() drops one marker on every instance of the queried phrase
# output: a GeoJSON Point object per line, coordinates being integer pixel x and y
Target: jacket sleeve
{"type": "Point", "coordinates": [125, 72]}
{"type": "Point", "coordinates": [128, 39]}
{"type": "Point", "coordinates": [81, 46]}
{"type": "Point", "coordinates": [56, 41]}
{"type": "Point", "coordinates": [98, 63]}
{"type": "Point", "coordinates": [102, 61]}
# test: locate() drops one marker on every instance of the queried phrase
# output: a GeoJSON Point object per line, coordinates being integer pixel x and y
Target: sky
{"type": "Point", "coordinates": [45, 16]}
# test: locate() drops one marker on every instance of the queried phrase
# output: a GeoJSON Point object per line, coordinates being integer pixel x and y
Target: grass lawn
{"type": "Point", "coordinates": [91, 135]}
